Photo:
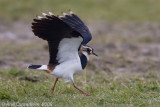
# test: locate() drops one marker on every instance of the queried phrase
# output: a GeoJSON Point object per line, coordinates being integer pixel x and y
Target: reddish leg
{"type": "Point", "coordinates": [54, 85]}
{"type": "Point", "coordinates": [80, 90]}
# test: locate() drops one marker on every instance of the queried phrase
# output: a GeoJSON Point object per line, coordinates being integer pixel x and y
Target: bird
{"type": "Point", "coordinates": [67, 38]}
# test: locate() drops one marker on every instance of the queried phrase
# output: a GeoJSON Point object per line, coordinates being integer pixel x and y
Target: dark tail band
{"type": "Point", "coordinates": [34, 66]}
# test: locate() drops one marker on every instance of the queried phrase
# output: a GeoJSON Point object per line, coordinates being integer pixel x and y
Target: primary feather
{"type": "Point", "coordinates": [53, 29]}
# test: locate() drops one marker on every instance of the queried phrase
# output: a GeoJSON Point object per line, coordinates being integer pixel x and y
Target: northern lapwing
{"type": "Point", "coordinates": [67, 37]}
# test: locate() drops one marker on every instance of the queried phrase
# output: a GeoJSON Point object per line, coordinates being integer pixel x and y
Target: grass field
{"type": "Point", "coordinates": [106, 89]}
{"type": "Point", "coordinates": [125, 36]}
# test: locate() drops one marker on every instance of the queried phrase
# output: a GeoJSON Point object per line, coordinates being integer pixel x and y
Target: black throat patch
{"type": "Point", "coordinates": [84, 61]}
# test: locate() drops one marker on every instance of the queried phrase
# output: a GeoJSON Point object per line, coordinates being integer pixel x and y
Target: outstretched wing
{"type": "Point", "coordinates": [78, 25]}
{"type": "Point", "coordinates": [56, 32]}
{"type": "Point", "coordinates": [50, 28]}
{"type": "Point", "coordinates": [64, 35]}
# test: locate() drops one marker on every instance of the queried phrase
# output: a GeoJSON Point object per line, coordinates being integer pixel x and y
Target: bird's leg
{"type": "Point", "coordinates": [80, 90]}
{"type": "Point", "coordinates": [54, 85]}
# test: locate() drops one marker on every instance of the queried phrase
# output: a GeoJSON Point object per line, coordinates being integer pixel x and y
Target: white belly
{"type": "Point", "coordinates": [68, 58]}
{"type": "Point", "coordinates": [67, 69]}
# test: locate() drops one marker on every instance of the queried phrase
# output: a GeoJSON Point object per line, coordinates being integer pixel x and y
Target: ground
{"type": "Point", "coordinates": [126, 72]}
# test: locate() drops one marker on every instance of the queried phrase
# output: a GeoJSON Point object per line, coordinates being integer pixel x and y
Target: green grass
{"type": "Point", "coordinates": [110, 10]}
{"type": "Point", "coordinates": [106, 89]}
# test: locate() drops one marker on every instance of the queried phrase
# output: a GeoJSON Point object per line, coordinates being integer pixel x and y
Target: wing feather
{"type": "Point", "coordinates": [78, 25]}
{"type": "Point", "coordinates": [64, 35]}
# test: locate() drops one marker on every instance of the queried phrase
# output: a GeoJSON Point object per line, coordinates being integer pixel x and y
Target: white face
{"type": "Point", "coordinates": [87, 50]}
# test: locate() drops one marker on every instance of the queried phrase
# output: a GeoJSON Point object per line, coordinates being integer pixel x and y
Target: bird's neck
{"type": "Point", "coordinates": [84, 61]}
{"type": "Point", "coordinates": [84, 57]}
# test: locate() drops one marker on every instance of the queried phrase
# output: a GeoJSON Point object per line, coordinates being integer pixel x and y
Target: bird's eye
{"type": "Point", "coordinates": [88, 50]}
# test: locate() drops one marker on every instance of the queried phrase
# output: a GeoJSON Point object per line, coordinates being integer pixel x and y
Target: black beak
{"type": "Point", "coordinates": [94, 54]}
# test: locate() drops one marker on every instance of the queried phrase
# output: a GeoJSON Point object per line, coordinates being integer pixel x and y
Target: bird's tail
{"type": "Point", "coordinates": [41, 67]}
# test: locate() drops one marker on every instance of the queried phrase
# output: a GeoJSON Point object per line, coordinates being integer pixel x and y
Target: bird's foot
{"type": "Point", "coordinates": [85, 93]}
{"type": "Point", "coordinates": [81, 90]}
{"type": "Point", "coordinates": [52, 90]}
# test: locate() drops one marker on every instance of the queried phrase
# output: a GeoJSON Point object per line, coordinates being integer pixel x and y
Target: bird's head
{"type": "Point", "coordinates": [87, 50]}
